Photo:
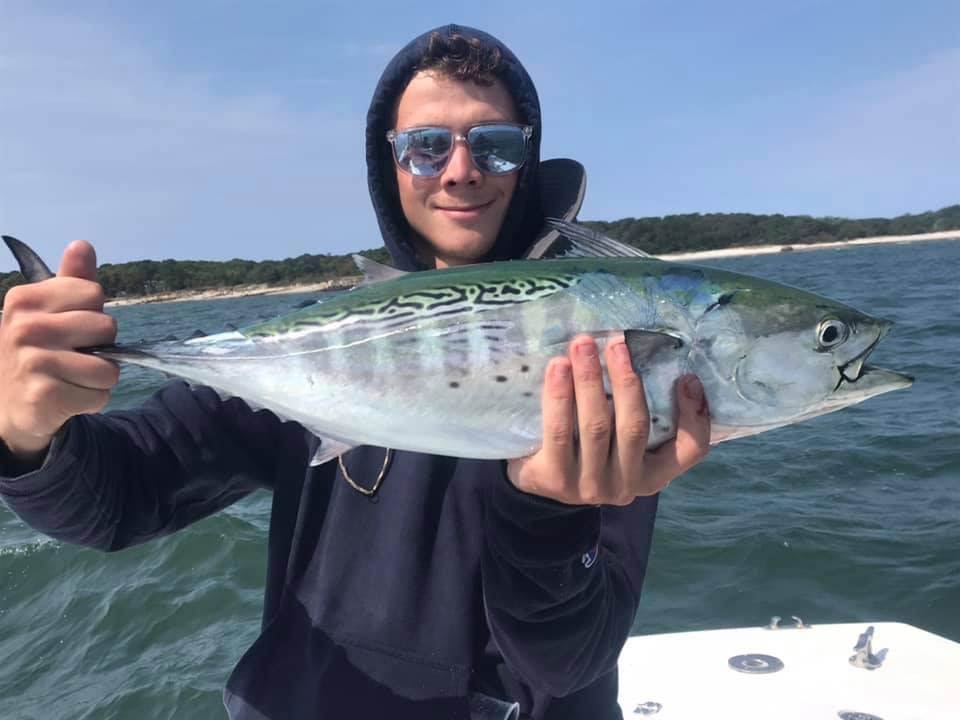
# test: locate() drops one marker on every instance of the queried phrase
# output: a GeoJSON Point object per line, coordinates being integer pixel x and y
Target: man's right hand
{"type": "Point", "coordinates": [43, 380]}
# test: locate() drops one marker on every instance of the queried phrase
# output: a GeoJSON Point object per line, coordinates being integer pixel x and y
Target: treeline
{"type": "Point", "coordinates": [657, 235]}
{"type": "Point", "coordinates": [151, 277]}
{"type": "Point", "coordinates": [145, 277]}
{"type": "Point", "coordinates": [714, 231]}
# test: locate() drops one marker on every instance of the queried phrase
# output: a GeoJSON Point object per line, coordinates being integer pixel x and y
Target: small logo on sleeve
{"type": "Point", "coordinates": [590, 557]}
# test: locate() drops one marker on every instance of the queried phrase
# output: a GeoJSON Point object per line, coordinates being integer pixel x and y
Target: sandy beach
{"type": "Point", "coordinates": [350, 281]}
{"type": "Point", "coordinates": [237, 291]}
{"type": "Point", "coordinates": [768, 249]}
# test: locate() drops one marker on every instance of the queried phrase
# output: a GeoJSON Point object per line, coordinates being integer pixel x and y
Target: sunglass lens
{"type": "Point", "coordinates": [423, 151]}
{"type": "Point", "coordinates": [497, 149]}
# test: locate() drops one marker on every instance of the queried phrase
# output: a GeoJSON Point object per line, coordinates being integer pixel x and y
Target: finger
{"type": "Point", "coordinates": [71, 400]}
{"type": "Point", "coordinates": [593, 417]}
{"type": "Point", "coordinates": [631, 416]}
{"type": "Point", "coordinates": [79, 261]}
{"type": "Point", "coordinates": [47, 402]}
{"type": "Point", "coordinates": [66, 330]}
{"type": "Point", "coordinates": [84, 371]}
{"type": "Point", "coordinates": [692, 442]}
{"type": "Point", "coordinates": [54, 296]}
{"type": "Point", "coordinates": [558, 415]}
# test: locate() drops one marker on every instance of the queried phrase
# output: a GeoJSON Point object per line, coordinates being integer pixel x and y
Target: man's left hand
{"type": "Point", "coordinates": [592, 456]}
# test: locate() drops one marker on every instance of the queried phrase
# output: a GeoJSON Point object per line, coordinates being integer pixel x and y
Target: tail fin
{"type": "Point", "coordinates": [33, 268]}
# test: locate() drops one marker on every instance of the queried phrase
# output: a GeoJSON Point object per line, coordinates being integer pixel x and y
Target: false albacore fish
{"type": "Point", "coordinates": [452, 361]}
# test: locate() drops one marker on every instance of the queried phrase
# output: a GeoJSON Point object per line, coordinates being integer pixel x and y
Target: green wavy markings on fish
{"type": "Point", "coordinates": [452, 361]}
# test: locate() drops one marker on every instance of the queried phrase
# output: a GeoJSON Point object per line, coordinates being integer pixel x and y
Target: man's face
{"type": "Point", "coordinates": [458, 213]}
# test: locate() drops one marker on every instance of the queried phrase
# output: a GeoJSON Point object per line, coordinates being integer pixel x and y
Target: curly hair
{"type": "Point", "coordinates": [461, 57]}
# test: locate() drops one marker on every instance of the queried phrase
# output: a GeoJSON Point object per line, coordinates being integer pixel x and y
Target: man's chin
{"type": "Point", "coordinates": [463, 248]}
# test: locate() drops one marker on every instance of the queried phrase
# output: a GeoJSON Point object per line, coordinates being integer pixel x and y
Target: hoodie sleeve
{"type": "Point", "coordinates": [121, 478]}
{"type": "Point", "coordinates": [562, 584]}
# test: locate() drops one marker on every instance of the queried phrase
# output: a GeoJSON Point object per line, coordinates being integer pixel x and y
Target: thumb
{"type": "Point", "coordinates": [79, 261]}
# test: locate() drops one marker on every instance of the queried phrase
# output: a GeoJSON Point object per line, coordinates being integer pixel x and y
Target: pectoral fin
{"type": "Point", "coordinates": [652, 347]}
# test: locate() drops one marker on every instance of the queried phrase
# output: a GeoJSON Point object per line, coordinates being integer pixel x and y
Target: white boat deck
{"type": "Point", "coordinates": [688, 676]}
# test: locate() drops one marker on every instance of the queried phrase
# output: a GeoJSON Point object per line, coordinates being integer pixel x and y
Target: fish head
{"type": "Point", "coordinates": [777, 355]}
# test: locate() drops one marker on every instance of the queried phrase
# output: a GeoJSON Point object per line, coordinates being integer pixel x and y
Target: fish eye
{"type": "Point", "coordinates": [831, 333]}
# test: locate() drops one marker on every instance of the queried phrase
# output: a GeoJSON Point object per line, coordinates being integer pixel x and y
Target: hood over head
{"type": "Point", "coordinates": [524, 217]}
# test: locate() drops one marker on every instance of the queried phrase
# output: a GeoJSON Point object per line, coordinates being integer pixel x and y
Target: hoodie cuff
{"type": "Point", "coordinates": [16, 482]}
{"type": "Point", "coordinates": [532, 531]}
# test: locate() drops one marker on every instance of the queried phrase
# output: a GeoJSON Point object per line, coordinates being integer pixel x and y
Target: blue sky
{"type": "Point", "coordinates": [217, 129]}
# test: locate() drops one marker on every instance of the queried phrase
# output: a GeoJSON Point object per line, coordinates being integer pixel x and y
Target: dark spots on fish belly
{"type": "Point", "coordinates": [528, 394]}
{"type": "Point", "coordinates": [501, 378]}
{"type": "Point", "coordinates": [524, 368]}
{"type": "Point", "coordinates": [654, 420]}
{"type": "Point", "coordinates": [454, 384]}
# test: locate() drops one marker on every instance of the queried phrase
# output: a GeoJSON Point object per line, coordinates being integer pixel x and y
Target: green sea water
{"type": "Point", "coordinates": [851, 517]}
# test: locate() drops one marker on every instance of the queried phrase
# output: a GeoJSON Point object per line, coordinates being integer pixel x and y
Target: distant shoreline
{"type": "Point", "coordinates": [351, 280]}
{"type": "Point", "coordinates": [237, 291]}
{"type": "Point", "coordinates": [788, 247]}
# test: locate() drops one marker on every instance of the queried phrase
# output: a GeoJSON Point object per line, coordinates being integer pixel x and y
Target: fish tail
{"type": "Point", "coordinates": [34, 269]}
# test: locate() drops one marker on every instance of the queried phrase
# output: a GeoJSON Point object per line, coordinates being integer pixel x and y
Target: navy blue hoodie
{"type": "Point", "coordinates": [447, 583]}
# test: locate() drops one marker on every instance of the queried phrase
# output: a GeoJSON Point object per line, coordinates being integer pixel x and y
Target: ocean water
{"type": "Point", "coordinates": [849, 517]}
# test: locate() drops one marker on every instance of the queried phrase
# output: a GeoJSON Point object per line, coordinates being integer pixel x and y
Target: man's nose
{"type": "Point", "coordinates": [460, 168]}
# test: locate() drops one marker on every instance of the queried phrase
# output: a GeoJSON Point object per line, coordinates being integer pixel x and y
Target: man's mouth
{"type": "Point", "coordinates": [465, 210]}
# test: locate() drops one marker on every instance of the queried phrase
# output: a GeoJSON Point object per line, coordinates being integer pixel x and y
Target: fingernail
{"type": "Point", "coordinates": [587, 350]}
{"type": "Point", "coordinates": [561, 370]}
{"type": "Point", "coordinates": [692, 388]}
{"type": "Point", "coordinates": [621, 354]}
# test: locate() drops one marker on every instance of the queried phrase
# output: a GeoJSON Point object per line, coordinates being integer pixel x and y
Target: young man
{"type": "Point", "coordinates": [517, 580]}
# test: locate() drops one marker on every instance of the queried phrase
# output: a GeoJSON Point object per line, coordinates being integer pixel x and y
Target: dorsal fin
{"type": "Point", "coordinates": [572, 240]}
{"type": "Point", "coordinates": [34, 269]}
{"type": "Point", "coordinates": [374, 272]}
{"type": "Point", "coordinates": [563, 184]}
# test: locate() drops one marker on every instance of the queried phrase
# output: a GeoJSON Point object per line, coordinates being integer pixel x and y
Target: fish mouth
{"type": "Point", "coordinates": [854, 369]}
{"type": "Point", "coordinates": [871, 382]}
{"type": "Point", "coordinates": [868, 379]}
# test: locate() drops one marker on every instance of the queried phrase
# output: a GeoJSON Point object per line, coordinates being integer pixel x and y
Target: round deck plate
{"type": "Point", "coordinates": [756, 664]}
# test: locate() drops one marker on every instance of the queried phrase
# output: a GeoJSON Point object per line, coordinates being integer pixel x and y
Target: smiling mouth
{"type": "Point", "coordinates": [467, 208]}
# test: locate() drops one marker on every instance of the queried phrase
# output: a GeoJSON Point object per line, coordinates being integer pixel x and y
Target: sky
{"type": "Point", "coordinates": [214, 129]}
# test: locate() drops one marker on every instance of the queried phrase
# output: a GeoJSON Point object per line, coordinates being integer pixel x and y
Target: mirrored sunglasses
{"type": "Point", "coordinates": [496, 148]}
